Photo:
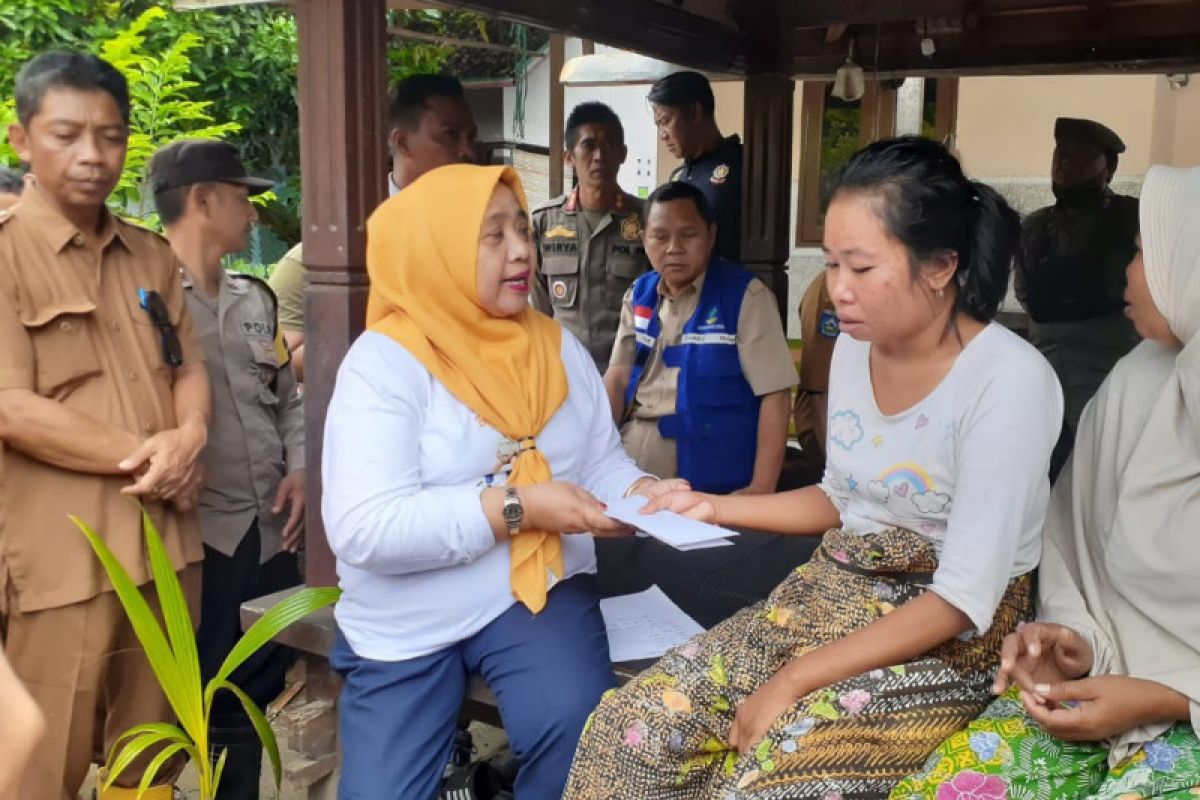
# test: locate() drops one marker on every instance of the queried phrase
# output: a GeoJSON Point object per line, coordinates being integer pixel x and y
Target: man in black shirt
{"type": "Point", "coordinates": [684, 107]}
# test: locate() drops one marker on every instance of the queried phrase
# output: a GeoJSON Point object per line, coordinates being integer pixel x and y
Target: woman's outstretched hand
{"type": "Point", "coordinates": [651, 488]}
{"type": "Point", "coordinates": [696, 505]}
{"type": "Point", "coordinates": [563, 507]}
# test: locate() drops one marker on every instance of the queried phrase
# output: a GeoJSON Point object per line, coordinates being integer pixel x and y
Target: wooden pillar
{"type": "Point", "coordinates": [343, 161]}
{"type": "Point", "coordinates": [558, 54]}
{"type": "Point", "coordinates": [767, 179]}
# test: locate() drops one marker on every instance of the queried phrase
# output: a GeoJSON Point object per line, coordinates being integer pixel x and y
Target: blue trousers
{"type": "Point", "coordinates": [397, 718]}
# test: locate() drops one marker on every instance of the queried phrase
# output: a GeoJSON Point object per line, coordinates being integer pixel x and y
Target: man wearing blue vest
{"type": "Point", "coordinates": [700, 374]}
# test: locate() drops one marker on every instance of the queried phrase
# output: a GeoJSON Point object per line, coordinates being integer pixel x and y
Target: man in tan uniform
{"type": "Point", "coordinates": [590, 240]}
{"type": "Point", "coordinates": [104, 401]}
{"type": "Point", "coordinates": [700, 374]}
{"type": "Point", "coordinates": [818, 333]}
{"type": "Point", "coordinates": [288, 282]}
{"type": "Point", "coordinates": [252, 505]}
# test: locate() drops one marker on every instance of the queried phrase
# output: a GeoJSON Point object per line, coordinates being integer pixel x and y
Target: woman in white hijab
{"type": "Point", "coordinates": [1101, 697]}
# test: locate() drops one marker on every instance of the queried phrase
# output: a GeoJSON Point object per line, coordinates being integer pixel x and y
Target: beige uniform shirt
{"type": "Point", "coordinates": [72, 331]}
{"type": "Point", "coordinates": [288, 281]}
{"type": "Point", "coordinates": [584, 271]}
{"type": "Point", "coordinates": [256, 435]}
{"type": "Point", "coordinates": [762, 350]}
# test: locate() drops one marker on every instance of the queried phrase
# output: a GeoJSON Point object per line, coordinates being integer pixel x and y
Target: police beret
{"type": "Point", "coordinates": [1086, 130]}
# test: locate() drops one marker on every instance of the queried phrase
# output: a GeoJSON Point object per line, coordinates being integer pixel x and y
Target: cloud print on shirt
{"type": "Point", "coordinates": [931, 502]}
{"type": "Point", "coordinates": [845, 429]}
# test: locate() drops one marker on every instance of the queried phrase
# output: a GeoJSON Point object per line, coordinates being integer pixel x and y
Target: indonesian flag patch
{"type": "Point", "coordinates": [641, 317]}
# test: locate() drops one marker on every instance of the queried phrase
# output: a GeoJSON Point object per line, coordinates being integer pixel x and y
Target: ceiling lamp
{"type": "Point", "coordinates": [850, 83]}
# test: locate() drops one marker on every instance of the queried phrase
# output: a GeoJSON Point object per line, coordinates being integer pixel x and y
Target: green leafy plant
{"type": "Point", "coordinates": [171, 651]}
{"type": "Point", "coordinates": [161, 107]}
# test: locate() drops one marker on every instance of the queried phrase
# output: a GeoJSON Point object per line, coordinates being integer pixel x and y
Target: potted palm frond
{"type": "Point", "coordinates": [171, 650]}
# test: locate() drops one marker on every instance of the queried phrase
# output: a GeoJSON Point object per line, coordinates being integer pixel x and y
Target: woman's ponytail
{"type": "Point", "coordinates": [994, 239]}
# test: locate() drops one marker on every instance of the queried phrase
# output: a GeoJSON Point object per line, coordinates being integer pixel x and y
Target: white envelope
{"type": "Point", "coordinates": [674, 529]}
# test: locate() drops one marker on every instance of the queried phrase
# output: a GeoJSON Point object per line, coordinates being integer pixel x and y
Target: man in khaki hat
{"type": "Point", "coordinates": [1070, 273]}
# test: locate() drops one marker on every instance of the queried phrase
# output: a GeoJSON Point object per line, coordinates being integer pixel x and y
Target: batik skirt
{"type": "Point", "coordinates": [664, 735]}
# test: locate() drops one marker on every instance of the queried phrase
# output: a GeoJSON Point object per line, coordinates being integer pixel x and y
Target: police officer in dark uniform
{"type": "Point", "coordinates": [684, 110]}
{"type": "Point", "coordinates": [1070, 276]}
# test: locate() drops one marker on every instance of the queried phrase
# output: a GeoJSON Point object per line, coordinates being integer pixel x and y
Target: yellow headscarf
{"type": "Point", "coordinates": [422, 247]}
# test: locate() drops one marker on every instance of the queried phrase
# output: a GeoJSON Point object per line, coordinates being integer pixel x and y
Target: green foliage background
{"type": "Point", "coordinates": [227, 72]}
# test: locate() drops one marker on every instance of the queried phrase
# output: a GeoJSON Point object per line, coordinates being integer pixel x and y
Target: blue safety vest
{"type": "Point", "coordinates": [715, 424]}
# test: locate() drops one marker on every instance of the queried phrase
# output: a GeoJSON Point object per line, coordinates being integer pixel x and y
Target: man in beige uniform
{"type": "Point", "coordinates": [288, 282]}
{"type": "Point", "coordinates": [252, 505]}
{"type": "Point", "coordinates": [680, 234]}
{"type": "Point", "coordinates": [103, 401]}
{"type": "Point", "coordinates": [590, 240]}
{"type": "Point", "coordinates": [819, 330]}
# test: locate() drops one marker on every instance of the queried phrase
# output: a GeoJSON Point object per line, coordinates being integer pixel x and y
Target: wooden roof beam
{"type": "Point", "coordinates": [408, 34]}
{"type": "Point", "coordinates": [824, 13]}
{"type": "Point", "coordinates": [651, 28]}
{"type": "Point", "coordinates": [1132, 39]}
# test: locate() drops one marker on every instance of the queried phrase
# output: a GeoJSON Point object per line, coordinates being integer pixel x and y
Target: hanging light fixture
{"type": "Point", "coordinates": [850, 83]}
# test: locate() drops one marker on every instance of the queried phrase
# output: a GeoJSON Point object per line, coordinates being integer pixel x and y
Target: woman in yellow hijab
{"type": "Point", "coordinates": [468, 435]}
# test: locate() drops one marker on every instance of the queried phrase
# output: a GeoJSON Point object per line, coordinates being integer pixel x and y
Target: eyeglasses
{"type": "Point", "coordinates": [152, 303]}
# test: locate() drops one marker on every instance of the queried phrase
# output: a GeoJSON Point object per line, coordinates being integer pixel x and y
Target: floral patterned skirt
{"type": "Point", "coordinates": [664, 735]}
{"type": "Point", "coordinates": [1004, 755]}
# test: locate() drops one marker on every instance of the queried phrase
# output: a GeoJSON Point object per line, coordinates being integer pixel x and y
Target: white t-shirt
{"type": "Point", "coordinates": [966, 467]}
{"type": "Point", "coordinates": [403, 467]}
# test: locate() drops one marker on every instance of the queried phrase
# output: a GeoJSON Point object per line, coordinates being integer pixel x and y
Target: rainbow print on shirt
{"type": "Point", "coordinates": [909, 489]}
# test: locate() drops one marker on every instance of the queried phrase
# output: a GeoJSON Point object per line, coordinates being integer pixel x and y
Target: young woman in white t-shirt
{"type": "Point", "coordinates": [941, 425]}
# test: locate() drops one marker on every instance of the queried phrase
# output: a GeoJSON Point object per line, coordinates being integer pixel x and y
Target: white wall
{"type": "Point", "coordinates": [487, 106]}
{"type": "Point", "coordinates": [537, 100]}
{"type": "Point", "coordinates": [638, 175]}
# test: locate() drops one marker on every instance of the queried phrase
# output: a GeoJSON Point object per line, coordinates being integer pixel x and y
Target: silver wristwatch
{"type": "Point", "coordinates": [513, 511]}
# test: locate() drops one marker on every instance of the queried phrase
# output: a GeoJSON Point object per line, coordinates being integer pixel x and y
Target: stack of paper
{"type": "Point", "coordinates": [645, 625]}
{"type": "Point", "coordinates": [682, 533]}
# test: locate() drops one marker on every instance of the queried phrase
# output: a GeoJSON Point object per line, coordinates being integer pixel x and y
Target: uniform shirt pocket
{"type": "Point", "coordinates": [626, 263]}
{"type": "Point", "coordinates": [64, 352]}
